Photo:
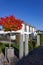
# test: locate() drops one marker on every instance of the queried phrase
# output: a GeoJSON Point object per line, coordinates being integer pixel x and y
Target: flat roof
{"type": "Point", "coordinates": [27, 24]}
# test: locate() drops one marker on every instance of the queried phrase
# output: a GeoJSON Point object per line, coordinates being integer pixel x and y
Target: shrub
{"type": "Point", "coordinates": [34, 42]}
{"type": "Point", "coordinates": [41, 39]}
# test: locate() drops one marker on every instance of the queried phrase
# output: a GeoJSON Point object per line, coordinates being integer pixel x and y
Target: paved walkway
{"type": "Point", "coordinates": [4, 61]}
{"type": "Point", "coordinates": [35, 57]}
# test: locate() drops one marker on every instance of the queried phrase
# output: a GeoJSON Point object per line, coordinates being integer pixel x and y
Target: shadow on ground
{"type": "Point", "coordinates": [35, 57]}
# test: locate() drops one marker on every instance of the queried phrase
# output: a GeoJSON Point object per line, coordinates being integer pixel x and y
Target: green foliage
{"type": "Point", "coordinates": [34, 42]}
{"type": "Point", "coordinates": [15, 46]}
{"type": "Point", "coordinates": [41, 39]}
{"type": "Point", "coordinates": [2, 46]}
{"type": "Point", "coordinates": [30, 45]}
{"type": "Point", "coordinates": [6, 45]}
{"type": "Point", "coordinates": [16, 49]}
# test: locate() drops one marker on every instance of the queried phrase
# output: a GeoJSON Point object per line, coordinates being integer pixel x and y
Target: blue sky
{"type": "Point", "coordinates": [30, 11]}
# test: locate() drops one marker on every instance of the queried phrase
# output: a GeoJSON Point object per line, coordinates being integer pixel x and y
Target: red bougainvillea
{"type": "Point", "coordinates": [0, 22]}
{"type": "Point", "coordinates": [10, 23]}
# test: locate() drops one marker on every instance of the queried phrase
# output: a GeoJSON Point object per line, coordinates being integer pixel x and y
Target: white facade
{"type": "Point", "coordinates": [25, 28]}
{"type": "Point", "coordinates": [13, 37]}
{"type": "Point", "coordinates": [31, 29]}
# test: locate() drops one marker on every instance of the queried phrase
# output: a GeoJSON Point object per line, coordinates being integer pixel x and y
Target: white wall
{"type": "Point", "coordinates": [34, 31]}
{"type": "Point", "coordinates": [13, 37]}
{"type": "Point", "coordinates": [27, 28]}
{"type": "Point", "coordinates": [31, 29]}
{"type": "Point", "coordinates": [23, 27]}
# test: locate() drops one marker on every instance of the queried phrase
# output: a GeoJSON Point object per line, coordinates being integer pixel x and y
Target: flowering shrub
{"type": "Point", "coordinates": [10, 23]}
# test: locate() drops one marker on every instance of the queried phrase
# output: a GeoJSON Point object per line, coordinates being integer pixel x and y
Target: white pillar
{"type": "Point", "coordinates": [21, 46]}
{"type": "Point", "coordinates": [26, 44]}
{"type": "Point", "coordinates": [38, 40]}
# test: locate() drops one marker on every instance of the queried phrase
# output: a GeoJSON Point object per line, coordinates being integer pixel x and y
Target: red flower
{"type": "Point", "coordinates": [0, 23]}
{"type": "Point", "coordinates": [10, 23]}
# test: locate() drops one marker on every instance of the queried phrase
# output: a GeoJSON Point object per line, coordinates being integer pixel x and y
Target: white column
{"type": "Point", "coordinates": [38, 40]}
{"type": "Point", "coordinates": [26, 44]}
{"type": "Point", "coordinates": [21, 46]}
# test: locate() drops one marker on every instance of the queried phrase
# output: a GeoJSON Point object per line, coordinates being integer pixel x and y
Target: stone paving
{"type": "Point", "coordinates": [4, 61]}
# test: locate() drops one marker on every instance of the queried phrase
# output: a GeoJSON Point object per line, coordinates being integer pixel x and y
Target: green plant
{"type": "Point", "coordinates": [34, 42]}
{"type": "Point", "coordinates": [30, 45]}
{"type": "Point", "coordinates": [2, 46]}
{"type": "Point", "coordinates": [15, 45]}
{"type": "Point", "coordinates": [41, 39]}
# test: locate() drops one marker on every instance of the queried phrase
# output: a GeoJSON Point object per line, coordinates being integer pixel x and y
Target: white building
{"type": "Point", "coordinates": [20, 36]}
{"type": "Point", "coordinates": [25, 28]}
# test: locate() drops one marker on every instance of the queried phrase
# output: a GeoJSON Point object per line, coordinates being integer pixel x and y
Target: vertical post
{"type": "Point", "coordinates": [26, 44]}
{"type": "Point", "coordinates": [10, 40]}
{"type": "Point", "coordinates": [38, 40]}
{"type": "Point", "coordinates": [21, 46]}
